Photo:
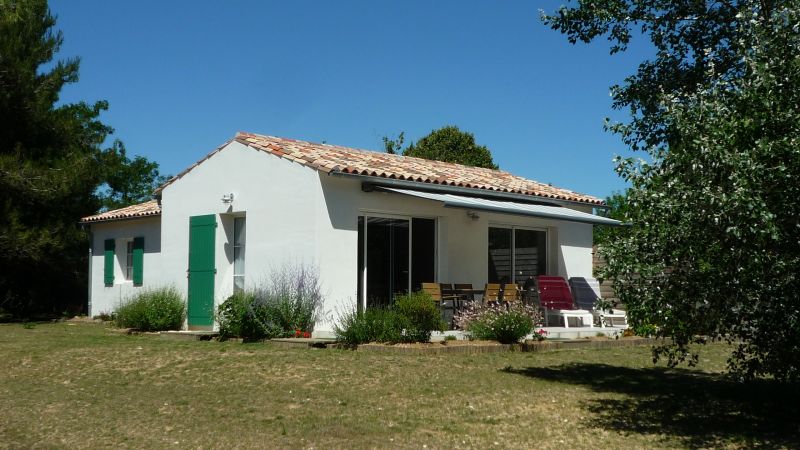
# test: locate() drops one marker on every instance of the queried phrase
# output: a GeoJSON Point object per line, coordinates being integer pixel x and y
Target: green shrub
{"type": "Point", "coordinates": [289, 300]}
{"type": "Point", "coordinates": [412, 318]}
{"type": "Point", "coordinates": [373, 325]}
{"type": "Point", "coordinates": [232, 315]}
{"type": "Point", "coordinates": [498, 323]}
{"type": "Point", "coordinates": [419, 315]}
{"type": "Point", "coordinates": [152, 310]}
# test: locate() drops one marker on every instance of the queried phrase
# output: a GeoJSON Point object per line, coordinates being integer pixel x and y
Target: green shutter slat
{"type": "Point", "coordinates": [108, 262]}
{"type": "Point", "coordinates": [138, 261]}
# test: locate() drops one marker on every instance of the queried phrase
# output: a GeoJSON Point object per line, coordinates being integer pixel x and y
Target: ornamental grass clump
{"type": "Point", "coordinates": [157, 309]}
{"type": "Point", "coordinates": [373, 325]}
{"type": "Point", "coordinates": [505, 324]}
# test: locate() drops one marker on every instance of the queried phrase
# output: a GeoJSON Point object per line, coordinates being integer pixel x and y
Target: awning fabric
{"type": "Point", "coordinates": [520, 209]}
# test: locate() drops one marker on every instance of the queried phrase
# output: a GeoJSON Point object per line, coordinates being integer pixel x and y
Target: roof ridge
{"type": "Point", "coordinates": [365, 150]}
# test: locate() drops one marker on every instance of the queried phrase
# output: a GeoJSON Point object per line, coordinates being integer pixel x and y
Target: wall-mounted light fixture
{"type": "Point", "coordinates": [227, 198]}
{"type": "Point", "coordinates": [473, 215]}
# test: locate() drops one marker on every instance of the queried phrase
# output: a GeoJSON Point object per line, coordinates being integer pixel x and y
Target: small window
{"type": "Point", "coordinates": [516, 254]}
{"type": "Point", "coordinates": [238, 254]}
{"type": "Point", "coordinates": [128, 267]}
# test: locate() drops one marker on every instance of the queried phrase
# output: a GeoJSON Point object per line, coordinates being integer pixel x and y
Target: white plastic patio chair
{"type": "Point", "coordinates": [586, 292]}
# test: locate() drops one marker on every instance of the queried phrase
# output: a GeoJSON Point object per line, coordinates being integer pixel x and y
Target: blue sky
{"type": "Point", "coordinates": [183, 77]}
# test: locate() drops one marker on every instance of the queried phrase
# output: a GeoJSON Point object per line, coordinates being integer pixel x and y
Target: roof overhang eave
{"type": "Point", "coordinates": [119, 219]}
{"type": "Point", "coordinates": [370, 181]}
{"type": "Point", "coordinates": [543, 215]}
{"type": "Point", "coordinates": [551, 212]}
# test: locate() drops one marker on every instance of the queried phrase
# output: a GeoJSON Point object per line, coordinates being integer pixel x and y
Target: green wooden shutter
{"type": "Point", "coordinates": [108, 263]}
{"type": "Point", "coordinates": [138, 261]}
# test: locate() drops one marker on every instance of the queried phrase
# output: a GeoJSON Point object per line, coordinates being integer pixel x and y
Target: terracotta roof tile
{"type": "Point", "coordinates": [146, 209]}
{"type": "Point", "coordinates": [334, 158]}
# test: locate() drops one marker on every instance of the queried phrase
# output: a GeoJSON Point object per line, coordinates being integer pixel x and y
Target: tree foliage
{"type": "Point", "coordinates": [448, 144]}
{"type": "Point", "coordinates": [618, 208]}
{"type": "Point", "coordinates": [715, 242]}
{"type": "Point", "coordinates": [51, 165]}
{"type": "Point", "coordinates": [394, 146]}
{"type": "Point", "coordinates": [127, 181]}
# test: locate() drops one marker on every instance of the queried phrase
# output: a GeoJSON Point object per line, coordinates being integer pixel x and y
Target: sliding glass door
{"type": "Point", "coordinates": [395, 255]}
{"type": "Point", "coordinates": [515, 254]}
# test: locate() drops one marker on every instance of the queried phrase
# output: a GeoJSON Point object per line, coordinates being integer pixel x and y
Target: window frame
{"type": "Point", "coordinates": [240, 247]}
{"type": "Point", "coordinates": [513, 244]}
{"type": "Point", "coordinates": [128, 269]}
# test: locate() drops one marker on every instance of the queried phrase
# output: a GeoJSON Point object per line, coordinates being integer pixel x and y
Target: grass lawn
{"type": "Point", "coordinates": [83, 385]}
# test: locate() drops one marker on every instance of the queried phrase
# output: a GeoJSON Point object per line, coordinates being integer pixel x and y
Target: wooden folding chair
{"type": "Point", "coordinates": [491, 293]}
{"type": "Point", "coordinates": [448, 294]}
{"type": "Point", "coordinates": [467, 298]}
{"type": "Point", "coordinates": [512, 293]}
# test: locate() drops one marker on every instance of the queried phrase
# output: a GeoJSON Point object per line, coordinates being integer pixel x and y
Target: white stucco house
{"type": "Point", "coordinates": [373, 223]}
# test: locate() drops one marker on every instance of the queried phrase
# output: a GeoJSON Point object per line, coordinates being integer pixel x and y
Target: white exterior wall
{"type": "Point", "coordinates": [276, 197]}
{"type": "Point", "coordinates": [104, 299]}
{"type": "Point", "coordinates": [297, 214]}
{"type": "Point", "coordinates": [462, 242]}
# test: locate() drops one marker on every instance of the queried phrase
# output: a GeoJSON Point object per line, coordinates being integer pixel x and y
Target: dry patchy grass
{"type": "Point", "coordinates": [81, 385]}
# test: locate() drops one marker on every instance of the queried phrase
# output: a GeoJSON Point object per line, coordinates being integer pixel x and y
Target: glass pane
{"type": "Point", "coordinates": [423, 252]}
{"type": "Point", "coordinates": [499, 255]}
{"type": "Point", "coordinates": [129, 261]}
{"type": "Point", "coordinates": [238, 284]}
{"type": "Point", "coordinates": [378, 261]}
{"type": "Point", "coordinates": [238, 260]}
{"type": "Point", "coordinates": [542, 246]}
{"type": "Point", "coordinates": [238, 231]}
{"type": "Point", "coordinates": [529, 254]}
{"type": "Point", "coordinates": [387, 259]}
{"type": "Point", "coordinates": [400, 253]}
{"type": "Point", "coordinates": [238, 250]}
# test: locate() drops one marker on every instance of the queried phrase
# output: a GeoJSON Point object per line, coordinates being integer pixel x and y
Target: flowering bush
{"type": "Point", "coordinates": [498, 322]}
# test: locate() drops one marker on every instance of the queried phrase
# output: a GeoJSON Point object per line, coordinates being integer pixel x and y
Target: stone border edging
{"type": "Point", "coordinates": [529, 346]}
{"type": "Point", "coordinates": [544, 346]}
{"type": "Point", "coordinates": [470, 349]}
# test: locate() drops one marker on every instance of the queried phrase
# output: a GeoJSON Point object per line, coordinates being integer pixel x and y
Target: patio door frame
{"type": "Point", "coordinates": [362, 302]}
{"type": "Point", "coordinates": [513, 228]}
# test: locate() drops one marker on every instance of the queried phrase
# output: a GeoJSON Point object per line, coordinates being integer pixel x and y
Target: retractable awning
{"type": "Point", "coordinates": [520, 209]}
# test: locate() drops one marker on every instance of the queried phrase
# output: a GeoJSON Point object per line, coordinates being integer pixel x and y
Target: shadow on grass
{"type": "Point", "coordinates": [701, 410]}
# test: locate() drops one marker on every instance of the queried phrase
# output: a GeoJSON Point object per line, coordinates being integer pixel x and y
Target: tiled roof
{"type": "Point", "coordinates": [333, 158]}
{"type": "Point", "coordinates": [146, 209]}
